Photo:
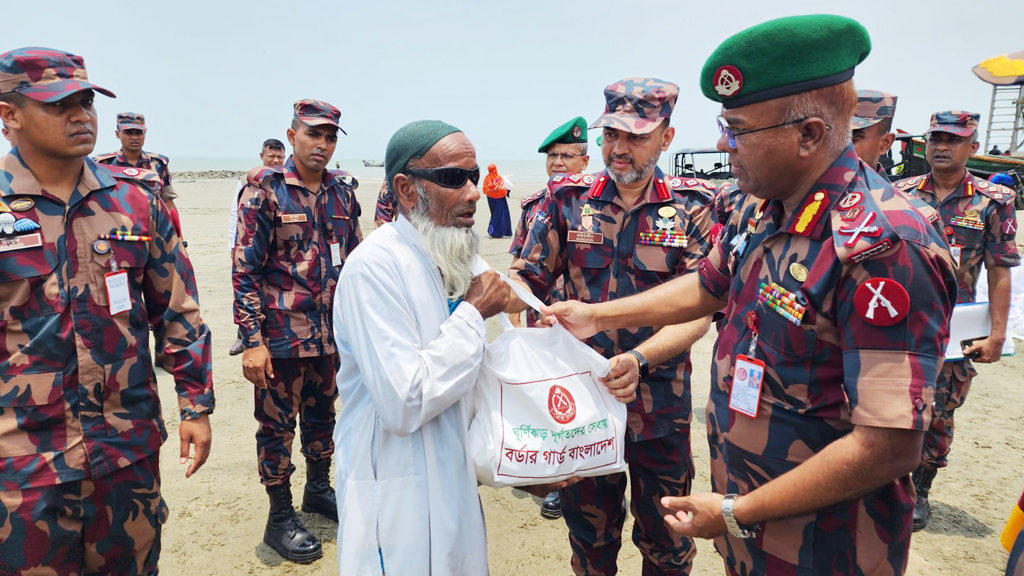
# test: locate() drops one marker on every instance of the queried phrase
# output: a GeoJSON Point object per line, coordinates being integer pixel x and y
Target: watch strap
{"type": "Point", "coordinates": [645, 367]}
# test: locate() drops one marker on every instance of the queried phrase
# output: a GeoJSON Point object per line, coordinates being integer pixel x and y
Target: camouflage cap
{"type": "Point", "coordinates": [130, 121]}
{"type": "Point", "coordinates": [956, 122]}
{"type": "Point", "coordinates": [572, 132]}
{"type": "Point", "coordinates": [44, 74]}
{"type": "Point", "coordinates": [637, 105]}
{"type": "Point", "coordinates": [872, 107]}
{"type": "Point", "coordinates": [318, 113]}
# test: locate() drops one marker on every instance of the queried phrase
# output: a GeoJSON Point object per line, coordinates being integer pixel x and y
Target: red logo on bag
{"type": "Point", "coordinates": [561, 405]}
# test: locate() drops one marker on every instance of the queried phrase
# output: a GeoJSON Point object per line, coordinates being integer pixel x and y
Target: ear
{"type": "Point", "coordinates": [666, 138]}
{"type": "Point", "coordinates": [812, 135]}
{"type": "Point", "coordinates": [886, 143]}
{"type": "Point", "coordinates": [9, 116]}
{"type": "Point", "coordinates": [405, 190]}
{"type": "Point", "coordinates": [586, 160]}
{"type": "Point", "coordinates": [290, 134]}
{"type": "Point", "coordinates": [974, 147]}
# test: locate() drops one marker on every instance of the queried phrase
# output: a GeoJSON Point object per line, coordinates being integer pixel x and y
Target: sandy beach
{"type": "Point", "coordinates": [217, 518]}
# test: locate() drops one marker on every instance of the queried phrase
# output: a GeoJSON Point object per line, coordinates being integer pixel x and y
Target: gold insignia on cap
{"type": "Point", "coordinates": [798, 271]}
{"type": "Point", "coordinates": [666, 211]}
{"type": "Point", "coordinates": [22, 204]}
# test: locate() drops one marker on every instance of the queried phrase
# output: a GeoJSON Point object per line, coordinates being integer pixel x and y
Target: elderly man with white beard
{"type": "Point", "coordinates": [409, 324]}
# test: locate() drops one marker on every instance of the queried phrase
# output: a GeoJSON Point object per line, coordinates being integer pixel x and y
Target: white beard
{"type": "Point", "coordinates": [453, 249]}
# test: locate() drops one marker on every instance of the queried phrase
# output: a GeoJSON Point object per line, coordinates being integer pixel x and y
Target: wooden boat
{"type": "Point", "coordinates": [372, 164]}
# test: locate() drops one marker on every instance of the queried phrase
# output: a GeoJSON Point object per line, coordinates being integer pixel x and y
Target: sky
{"type": "Point", "coordinates": [215, 78]}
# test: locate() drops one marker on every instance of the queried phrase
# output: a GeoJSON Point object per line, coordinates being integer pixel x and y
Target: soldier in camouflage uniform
{"type": "Point", "coordinates": [822, 376]}
{"type": "Point", "coordinates": [89, 260]}
{"type": "Point", "coordinates": [980, 227]}
{"type": "Point", "coordinates": [131, 131]}
{"type": "Point", "coordinates": [387, 206]}
{"type": "Point", "coordinates": [610, 235]}
{"type": "Point", "coordinates": [872, 127]}
{"type": "Point", "coordinates": [296, 226]}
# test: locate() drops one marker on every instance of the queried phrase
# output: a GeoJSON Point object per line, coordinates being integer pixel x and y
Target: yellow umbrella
{"type": "Point", "coordinates": [1006, 70]}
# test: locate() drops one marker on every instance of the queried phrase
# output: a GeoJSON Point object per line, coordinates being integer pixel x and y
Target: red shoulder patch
{"type": "Point", "coordinates": [882, 302]}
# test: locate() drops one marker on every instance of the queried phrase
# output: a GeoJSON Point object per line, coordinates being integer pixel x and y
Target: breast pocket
{"type": "Point", "coordinates": [28, 285]}
{"type": "Point", "coordinates": [126, 329]}
{"type": "Point", "coordinates": [658, 259]}
{"type": "Point", "coordinates": [31, 414]}
{"type": "Point", "coordinates": [589, 269]}
{"type": "Point", "coordinates": [295, 241]}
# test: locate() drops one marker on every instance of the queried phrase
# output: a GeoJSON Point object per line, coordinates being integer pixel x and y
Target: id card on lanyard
{"type": "Point", "coordinates": [747, 375]}
{"type": "Point", "coordinates": [119, 298]}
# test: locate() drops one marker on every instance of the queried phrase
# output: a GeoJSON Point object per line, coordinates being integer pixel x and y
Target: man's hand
{"type": "Point", "coordinates": [623, 378]}
{"type": "Point", "coordinates": [697, 516]}
{"type": "Point", "coordinates": [195, 432]}
{"type": "Point", "coordinates": [575, 316]}
{"type": "Point", "coordinates": [516, 319]}
{"type": "Point", "coordinates": [488, 293]}
{"type": "Point", "coordinates": [256, 365]}
{"type": "Point", "coordinates": [542, 490]}
{"type": "Point", "coordinates": [989, 350]}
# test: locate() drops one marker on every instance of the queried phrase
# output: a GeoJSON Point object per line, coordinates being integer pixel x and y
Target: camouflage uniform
{"type": "Point", "coordinates": [658, 440]}
{"type": "Point", "coordinates": [387, 206]}
{"type": "Point", "coordinates": [148, 161]}
{"type": "Point", "coordinates": [978, 218]}
{"type": "Point", "coordinates": [284, 285]}
{"type": "Point", "coordinates": [873, 107]}
{"type": "Point", "coordinates": [80, 419]}
{"type": "Point", "coordinates": [531, 206]}
{"type": "Point", "coordinates": [831, 362]}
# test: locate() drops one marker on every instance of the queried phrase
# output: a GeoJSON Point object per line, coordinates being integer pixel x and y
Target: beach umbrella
{"type": "Point", "coordinates": [1005, 70]}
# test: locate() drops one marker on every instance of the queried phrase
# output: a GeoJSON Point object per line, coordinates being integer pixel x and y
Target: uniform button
{"type": "Point", "coordinates": [919, 405]}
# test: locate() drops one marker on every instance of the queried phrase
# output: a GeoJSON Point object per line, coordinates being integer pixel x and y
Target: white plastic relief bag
{"type": "Point", "coordinates": [540, 413]}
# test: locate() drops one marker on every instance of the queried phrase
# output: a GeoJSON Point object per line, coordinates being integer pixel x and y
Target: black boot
{"type": "Point", "coordinates": [285, 532]}
{"type": "Point", "coordinates": [319, 497]}
{"type": "Point", "coordinates": [923, 484]}
{"type": "Point", "coordinates": [551, 507]}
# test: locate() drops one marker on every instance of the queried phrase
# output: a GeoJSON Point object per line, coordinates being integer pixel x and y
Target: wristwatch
{"type": "Point", "coordinates": [734, 527]}
{"type": "Point", "coordinates": [645, 368]}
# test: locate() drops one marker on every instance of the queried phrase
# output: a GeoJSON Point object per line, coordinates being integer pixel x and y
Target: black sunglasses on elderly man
{"type": "Point", "coordinates": [448, 177]}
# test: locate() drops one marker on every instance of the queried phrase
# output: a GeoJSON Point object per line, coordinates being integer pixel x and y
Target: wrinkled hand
{"type": "Point", "coordinates": [697, 516]}
{"type": "Point", "coordinates": [577, 317]}
{"type": "Point", "coordinates": [196, 433]}
{"type": "Point", "coordinates": [623, 378]}
{"type": "Point", "coordinates": [488, 294]}
{"type": "Point", "coordinates": [256, 365]}
{"type": "Point", "coordinates": [990, 350]}
{"type": "Point", "coordinates": [542, 490]}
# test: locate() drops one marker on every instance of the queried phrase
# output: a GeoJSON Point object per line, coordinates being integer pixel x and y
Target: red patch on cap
{"type": "Point", "coordinates": [561, 405]}
{"type": "Point", "coordinates": [882, 302]}
{"type": "Point", "coordinates": [728, 81]}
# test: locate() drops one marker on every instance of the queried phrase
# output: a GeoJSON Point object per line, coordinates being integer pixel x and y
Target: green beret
{"type": "Point", "coordinates": [784, 57]}
{"type": "Point", "coordinates": [572, 132]}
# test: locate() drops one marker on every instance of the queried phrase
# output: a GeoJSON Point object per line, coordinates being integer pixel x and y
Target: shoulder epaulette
{"type": "Point", "coordinates": [532, 198]}
{"type": "Point", "coordinates": [159, 158]}
{"type": "Point", "coordinates": [346, 178]}
{"type": "Point", "coordinates": [861, 228]}
{"type": "Point", "coordinates": [1001, 194]}
{"type": "Point", "coordinates": [907, 183]}
{"type": "Point", "coordinates": [147, 179]}
{"type": "Point", "coordinates": [104, 158]}
{"type": "Point", "coordinates": [706, 188]}
{"type": "Point", "coordinates": [257, 175]}
{"type": "Point", "coordinates": [562, 180]}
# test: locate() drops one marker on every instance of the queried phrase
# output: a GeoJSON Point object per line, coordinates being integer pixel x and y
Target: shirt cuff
{"type": "Point", "coordinates": [891, 388]}
{"type": "Point", "coordinates": [470, 315]}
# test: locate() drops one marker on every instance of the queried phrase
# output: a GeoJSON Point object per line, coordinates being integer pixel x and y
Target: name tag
{"type": "Point", "coordinates": [119, 299]}
{"type": "Point", "coordinates": [21, 242]}
{"type": "Point", "coordinates": [585, 237]}
{"type": "Point", "coordinates": [747, 379]}
{"type": "Point", "coordinates": [335, 254]}
{"type": "Point", "coordinates": [292, 218]}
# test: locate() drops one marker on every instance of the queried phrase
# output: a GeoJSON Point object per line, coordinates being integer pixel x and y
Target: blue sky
{"type": "Point", "coordinates": [216, 78]}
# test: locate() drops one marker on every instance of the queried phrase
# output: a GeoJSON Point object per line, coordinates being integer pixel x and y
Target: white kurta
{"type": "Point", "coordinates": [406, 483]}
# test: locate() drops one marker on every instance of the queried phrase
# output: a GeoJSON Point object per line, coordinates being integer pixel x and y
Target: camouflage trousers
{"type": "Point", "coordinates": [595, 510]}
{"type": "Point", "coordinates": [303, 388]}
{"type": "Point", "coordinates": [950, 392]}
{"type": "Point", "coordinates": [108, 525]}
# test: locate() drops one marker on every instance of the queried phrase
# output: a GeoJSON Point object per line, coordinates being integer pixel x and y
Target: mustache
{"type": "Point", "coordinates": [622, 157]}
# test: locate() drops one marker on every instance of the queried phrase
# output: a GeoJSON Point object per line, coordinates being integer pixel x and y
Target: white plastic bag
{"type": "Point", "coordinates": [540, 413]}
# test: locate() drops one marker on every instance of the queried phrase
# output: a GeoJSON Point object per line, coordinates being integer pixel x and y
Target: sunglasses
{"type": "Point", "coordinates": [449, 177]}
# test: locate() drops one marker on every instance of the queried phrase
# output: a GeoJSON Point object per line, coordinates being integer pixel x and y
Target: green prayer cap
{"type": "Point", "coordinates": [412, 141]}
{"type": "Point", "coordinates": [783, 57]}
{"type": "Point", "coordinates": [572, 132]}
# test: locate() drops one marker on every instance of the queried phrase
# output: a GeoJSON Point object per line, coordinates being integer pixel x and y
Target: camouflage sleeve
{"type": "Point", "coordinates": [543, 258]}
{"type": "Point", "coordinates": [715, 269]}
{"type": "Point", "coordinates": [1001, 237]}
{"type": "Point", "coordinates": [890, 368]}
{"type": "Point", "coordinates": [167, 192]}
{"type": "Point", "coordinates": [356, 234]}
{"type": "Point", "coordinates": [385, 210]}
{"type": "Point", "coordinates": [698, 233]}
{"type": "Point", "coordinates": [252, 246]}
{"type": "Point", "coordinates": [519, 239]}
{"type": "Point", "coordinates": [172, 304]}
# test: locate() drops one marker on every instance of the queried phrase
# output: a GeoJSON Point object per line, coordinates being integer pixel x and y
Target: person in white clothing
{"type": "Point", "coordinates": [272, 154]}
{"type": "Point", "coordinates": [409, 327]}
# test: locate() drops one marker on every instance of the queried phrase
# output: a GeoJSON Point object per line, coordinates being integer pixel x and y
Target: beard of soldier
{"type": "Point", "coordinates": [312, 148]}
{"type": "Point", "coordinates": [443, 216]}
{"type": "Point", "coordinates": [631, 158]}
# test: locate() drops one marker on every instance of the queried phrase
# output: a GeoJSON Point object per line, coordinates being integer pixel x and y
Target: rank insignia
{"type": "Point", "coordinates": [575, 178]}
{"type": "Point", "coordinates": [810, 214]}
{"type": "Point", "coordinates": [558, 178]}
{"type": "Point", "coordinates": [983, 184]}
{"type": "Point", "coordinates": [22, 204]}
{"type": "Point", "coordinates": [852, 213]}
{"type": "Point", "coordinates": [863, 229]}
{"type": "Point", "coordinates": [882, 302]}
{"type": "Point", "coordinates": [676, 182]}
{"type": "Point", "coordinates": [850, 200]}
{"type": "Point", "coordinates": [588, 179]}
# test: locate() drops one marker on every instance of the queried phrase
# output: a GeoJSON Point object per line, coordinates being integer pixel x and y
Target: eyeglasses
{"type": "Point", "coordinates": [564, 157]}
{"type": "Point", "coordinates": [731, 134]}
{"type": "Point", "coordinates": [448, 177]}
